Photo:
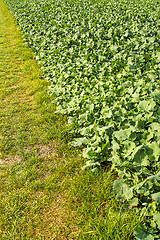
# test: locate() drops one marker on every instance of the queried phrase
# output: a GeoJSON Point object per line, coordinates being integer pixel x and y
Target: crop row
{"type": "Point", "coordinates": [102, 59]}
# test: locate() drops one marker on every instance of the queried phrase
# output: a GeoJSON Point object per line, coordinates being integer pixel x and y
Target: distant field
{"type": "Point", "coordinates": [102, 60]}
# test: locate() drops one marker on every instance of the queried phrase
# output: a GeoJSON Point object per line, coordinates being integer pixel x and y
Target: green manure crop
{"type": "Point", "coordinates": [102, 59]}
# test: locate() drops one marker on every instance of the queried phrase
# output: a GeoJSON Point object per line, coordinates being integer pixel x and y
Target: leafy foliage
{"type": "Point", "coordinates": [102, 59]}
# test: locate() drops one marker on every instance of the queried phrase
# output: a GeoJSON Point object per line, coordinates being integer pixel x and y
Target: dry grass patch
{"type": "Point", "coordinates": [8, 160]}
{"type": "Point", "coordinates": [58, 220]}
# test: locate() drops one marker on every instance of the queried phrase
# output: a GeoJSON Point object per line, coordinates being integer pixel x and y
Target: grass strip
{"type": "Point", "coordinates": [44, 193]}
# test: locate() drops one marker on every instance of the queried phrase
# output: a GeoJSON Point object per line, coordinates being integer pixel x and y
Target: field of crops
{"type": "Point", "coordinates": [102, 59]}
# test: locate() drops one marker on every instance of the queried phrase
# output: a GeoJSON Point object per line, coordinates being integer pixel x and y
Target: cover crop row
{"type": "Point", "coordinates": [103, 61]}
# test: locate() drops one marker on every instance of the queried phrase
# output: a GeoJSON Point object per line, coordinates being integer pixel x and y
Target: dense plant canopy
{"type": "Point", "coordinates": [102, 59]}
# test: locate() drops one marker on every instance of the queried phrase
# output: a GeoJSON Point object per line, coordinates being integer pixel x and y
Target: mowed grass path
{"type": "Point", "coordinates": [43, 192]}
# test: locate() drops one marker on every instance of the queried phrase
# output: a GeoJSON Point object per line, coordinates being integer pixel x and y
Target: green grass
{"type": "Point", "coordinates": [44, 194]}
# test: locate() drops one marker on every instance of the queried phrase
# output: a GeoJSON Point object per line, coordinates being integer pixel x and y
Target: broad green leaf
{"type": "Point", "coordinates": [133, 202]}
{"type": "Point", "coordinates": [155, 126]}
{"type": "Point", "coordinates": [140, 232]}
{"type": "Point", "coordinates": [156, 197]}
{"type": "Point", "coordinates": [154, 178]}
{"type": "Point", "coordinates": [147, 105]}
{"type": "Point", "coordinates": [124, 134]}
{"type": "Point", "coordinates": [122, 190]}
{"type": "Point", "coordinates": [79, 142]}
{"type": "Point", "coordinates": [156, 149]}
{"type": "Point", "coordinates": [156, 218]}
